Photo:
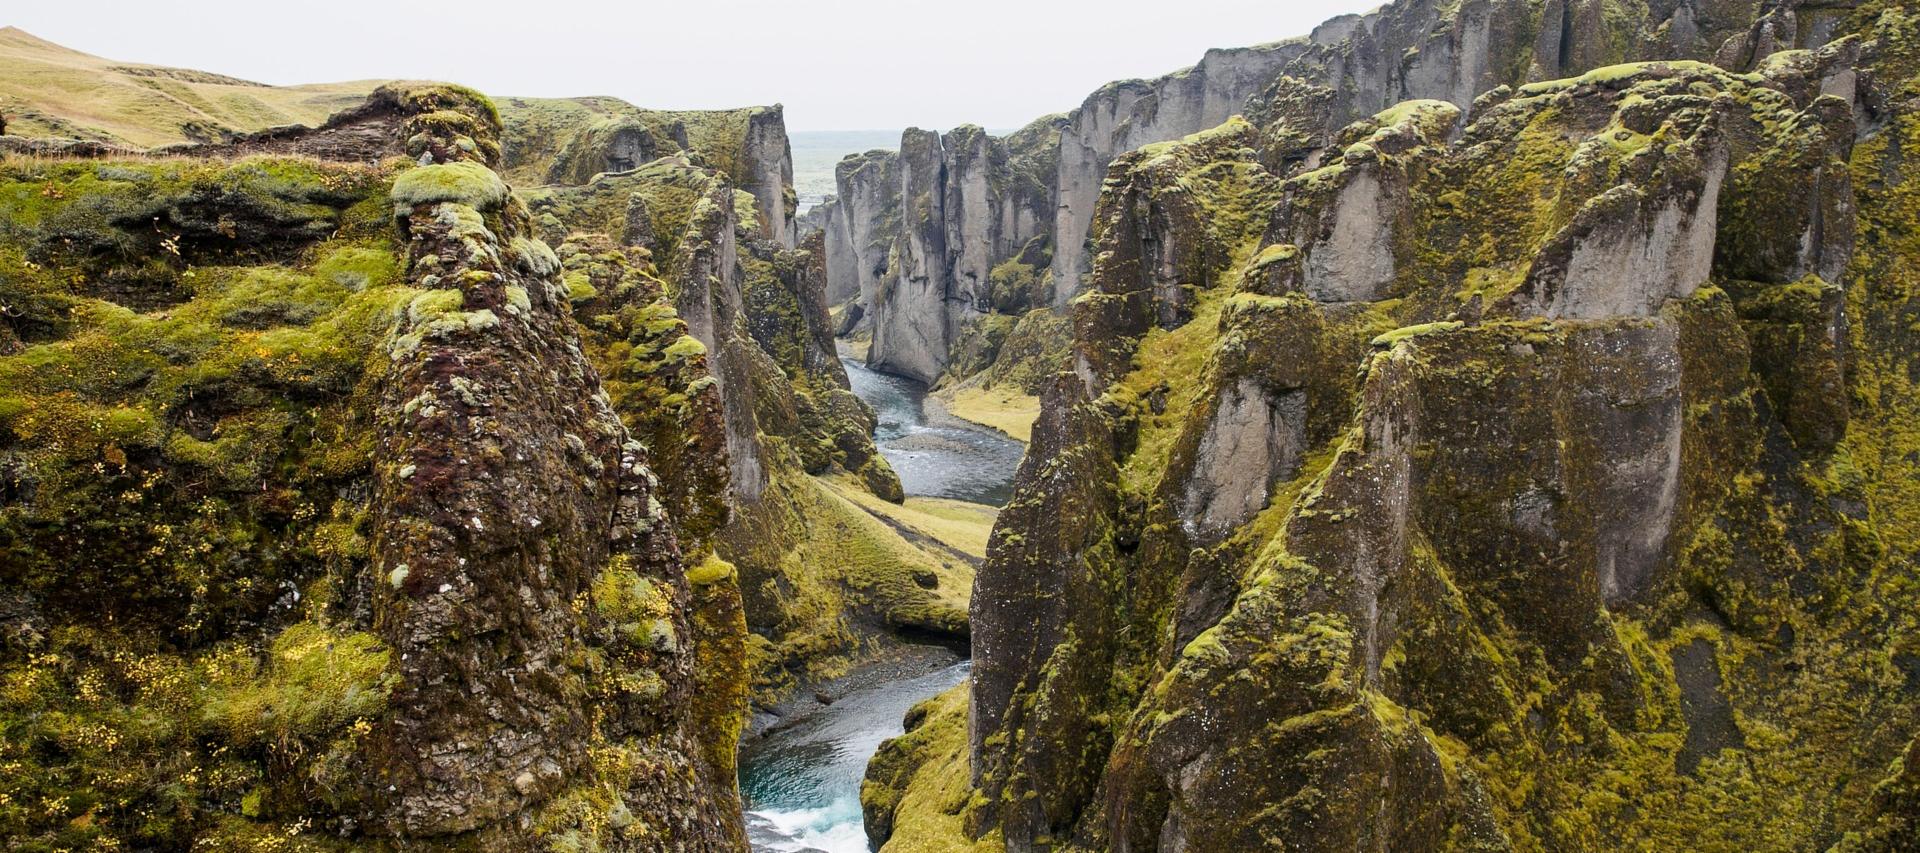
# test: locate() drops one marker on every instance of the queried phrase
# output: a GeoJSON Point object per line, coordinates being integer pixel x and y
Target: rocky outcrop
{"type": "Point", "coordinates": [861, 222]}
{"type": "Point", "coordinates": [817, 220]}
{"type": "Point", "coordinates": [475, 391]}
{"type": "Point", "coordinates": [969, 203]}
{"type": "Point", "coordinates": [567, 141]}
{"type": "Point", "coordinates": [767, 173]}
{"type": "Point", "coordinates": [389, 568]}
{"type": "Point", "coordinates": [1588, 468]}
{"type": "Point", "coordinates": [910, 308]}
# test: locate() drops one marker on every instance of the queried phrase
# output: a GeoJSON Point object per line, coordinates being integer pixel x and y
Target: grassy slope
{"type": "Point", "coordinates": [1002, 407]}
{"type": "Point", "coordinates": [959, 525]}
{"type": "Point", "coordinates": [929, 815]}
{"type": "Point", "coordinates": [49, 90]}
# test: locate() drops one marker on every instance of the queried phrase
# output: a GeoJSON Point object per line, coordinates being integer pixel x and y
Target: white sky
{"type": "Point", "coordinates": [836, 64]}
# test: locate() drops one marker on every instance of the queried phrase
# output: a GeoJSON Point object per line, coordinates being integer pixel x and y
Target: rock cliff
{"type": "Point", "coordinates": [861, 222]}
{"type": "Point", "coordinates": [1531, 472]}
{"type": "Point", "coordinates": [319, 525]}
{"type": "Point", "coordinates": [566, 141]}
{"type": "Point", "coordinates": [915, 239]}
{"type": "Point", "coordinates": [794, 433]}
{"type": "Point", "coordinates": [1349, 68]}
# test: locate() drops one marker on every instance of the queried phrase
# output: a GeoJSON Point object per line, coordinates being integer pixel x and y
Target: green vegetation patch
{"type": "Point", "coordinates": [463, 182]}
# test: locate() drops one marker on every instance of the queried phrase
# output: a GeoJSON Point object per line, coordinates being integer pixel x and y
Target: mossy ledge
{"type": "Point", "coordinates": [1529, 477]}
{"type": "Point", "coordinates": [258, 509]}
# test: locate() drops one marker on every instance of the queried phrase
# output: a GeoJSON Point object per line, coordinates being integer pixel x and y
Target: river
{"type": "Point", "coordinates": [801, 782]}
{"type": "Point", "coordinates": [936, 455]}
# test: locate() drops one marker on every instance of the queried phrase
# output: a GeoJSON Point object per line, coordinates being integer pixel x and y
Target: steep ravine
{"type": "Point", "coordinates": [800, 777]}
{"type": "Point", "coordinates": [1481, 425]}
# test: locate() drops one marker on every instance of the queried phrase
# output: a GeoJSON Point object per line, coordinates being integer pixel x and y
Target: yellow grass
{"type": "Point", "coordinates": [49, 90]}
{"type": "Point", "coordinates": [959, 525]}
{"type": "Point", "coordinates": [1004, 408]}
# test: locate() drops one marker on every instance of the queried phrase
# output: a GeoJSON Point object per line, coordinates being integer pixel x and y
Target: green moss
{"type": "Point", "coordinates": [314, 682]}
{"type": "Point", "coordinates": [685, 348]}
{"type": "Point", "coordinates": [1738, 701]}
{"type": "Point", "coordinates": [1389, 339]}
{"type": "Point", "coordinates": [1615, 74]}
{"type": "Point", "coordinates": [711, 570]}
{"type": "Point", "coordinates": [150, 740]}
{"type": "Point", "coordinates": [126, 419]}
{"type": "Point", "coordinates": [195, 438]}
{"type": "Point", "coordinates": [464, 182]}
{"type": "Point", "coordinates": [916, 787]}
{"type": "Point", "coordinates": [623, 596]}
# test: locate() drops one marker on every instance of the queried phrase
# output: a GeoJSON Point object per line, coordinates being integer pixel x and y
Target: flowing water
{"type": "Point", "coordinates": [940, 457]}
{"type": "Point", "coordinates": [801, 782]}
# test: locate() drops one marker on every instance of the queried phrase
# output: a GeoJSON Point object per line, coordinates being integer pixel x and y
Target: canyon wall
{"type": "Point", "coordinates": [914, 238]}
{"type": "Point", "coordinates": [1353, 66]}
{"type": "Point", "coordinates": [321, 525]}
{"type": "Point", "coordinates": [1529, 473]}
{"type": "Point", "coordinates": [824, 581]}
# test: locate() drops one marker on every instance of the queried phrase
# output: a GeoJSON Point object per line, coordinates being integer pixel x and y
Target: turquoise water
{"type": "Point", "coordinates": [802, 784]}
{"type": "Point", "coordinates": [943, 459]}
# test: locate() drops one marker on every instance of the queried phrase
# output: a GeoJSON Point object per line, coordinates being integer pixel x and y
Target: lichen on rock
{"type": "Point", "coordinates": [1574, 536]}
{"type": "Point", "coordinates": [278, 472]}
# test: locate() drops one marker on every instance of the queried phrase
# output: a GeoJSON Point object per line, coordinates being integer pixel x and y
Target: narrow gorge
{"type": "Point", "coordinates": [1471, 425]}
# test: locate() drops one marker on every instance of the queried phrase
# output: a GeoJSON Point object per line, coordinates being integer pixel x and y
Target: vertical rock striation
{"type": "Point", "coordinates": [861, 221]}
{"type": "Point", "coordinates": [962, 205]}
{"type": "Point", "coordinates": [1609, 531]}
{"type": "Point", "coordinates": [1300, 92]}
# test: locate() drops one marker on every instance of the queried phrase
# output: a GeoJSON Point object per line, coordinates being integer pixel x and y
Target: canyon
{"type": "Point", "coordinates": [1472, 425]}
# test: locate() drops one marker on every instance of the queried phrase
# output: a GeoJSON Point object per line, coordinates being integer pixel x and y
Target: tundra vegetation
{"type": "Point", "coordinates": [1481, 425]}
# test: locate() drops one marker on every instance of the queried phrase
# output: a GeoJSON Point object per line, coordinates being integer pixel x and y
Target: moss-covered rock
{"type": "Point", "coordinates": [823, 575]}
{"type": "Point", "coordinates": [1574, 523]}
{"type": "Point", "coordinates": [915, 794]}
{"type": "Point", "coordinates": [275, 469]}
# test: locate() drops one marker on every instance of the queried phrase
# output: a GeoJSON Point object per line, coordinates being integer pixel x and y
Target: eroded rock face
{"type": "Point", "coordinates": [1254, 442]}
{"type": "Point", "coordinates": [442, 601]}
{"type": "Point", "coordinates": [910, 313]}
{"type": "Point", "coordinates": [1351, 263]}
{"type": "Point", "coordinates": [863, 219]}
{"type": "Point", "coordinates": [971, 203]}
{"type": "Point", "coordinates": [1638, 244]}
{"type": "Point", "coordinates": [769, 174]}
{"type": "Point", "coordinates": [1301, 94]}
{"type": "Point", "coordinates": [1350, 222]}
{"type": "Point", "coordinates": [1569, 496]}
{"type": "Point", "coordinates": [708, 298]}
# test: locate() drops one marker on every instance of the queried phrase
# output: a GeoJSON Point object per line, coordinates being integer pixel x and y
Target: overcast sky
{"type": "Point", "coordinates": [836, 64]}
